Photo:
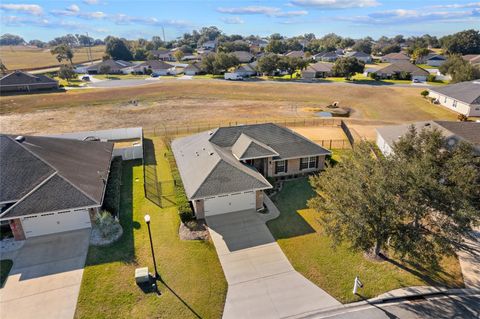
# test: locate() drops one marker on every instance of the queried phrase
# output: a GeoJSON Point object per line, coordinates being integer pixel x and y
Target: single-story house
{"type": "Point", "coordinates": [463, 97]}
{"type": "Point", "coordinates": [246, 70]}
{"type": "Point", "coordinates": [260, 43]}
{"type": "Point", "coordinates": [361, 56]}
{"type": "Point", "coordinates": [473, 59]}
{"type": "Point", "coordinates": [19, 81]}
{"type": "Point", "coordinates": [209, 45]}
{"type": "Point", "coordinates": [243, 56]}
{"type": "Point", "coordinates": [114, 67]}
{"type": "Point", "coordinates": [327, 56]}
{"type": "Point", "coordinates": [156, 67]}
{"type": "Point", "coordinates": [452, 131]}
{"type": "Point", "coordinates": [397, 68]}
{"type": "Point", "coordinates": [317, 70]}
{"type": "Point", "coordinates": [395, 57]}
{"type": "Point", "coordinates": [226, 169]}
{"type": "Point", "coordinates": [191, 58]}
{"type": "Point", "coordinates": [51, 185]}
{"type": "Point", "coordinates": [193, 69]}
{"type": "Point", "coordinates": [295, 54]}
{"type": "Point", "coordinates": [163, 55]}
{"type": "Point", "coordinates": [435, 59]}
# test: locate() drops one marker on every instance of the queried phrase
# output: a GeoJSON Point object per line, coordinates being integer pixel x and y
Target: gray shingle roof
{"type": "Point", "coordinates": [403, 66]}
{"type": "Point", "coordinates": [320, 67]}
{"type": "Point", "coordinates": [243, 56]}
{"type": "Point", "coordinates": [396, 56]}
{"type": "Point", "coordinates": [468, 92]}
{"type": "Point", "coordinates": [247, 148]}
{"type": "Point", "coordinates": [20, 77]}
{"type": "Point", "coordinates": [153, 64]}
{"type": "Point", "coordinates": [83, 165]}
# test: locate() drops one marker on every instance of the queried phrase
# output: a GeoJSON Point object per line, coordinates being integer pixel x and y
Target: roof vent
{"type": "Point", "coordinates": [210, 133]}
{"type": "Point", "coordinates": [211, 153]}
{"type": "Point", "coordinates": [427, 124]}
{"type": "Point", "coordinates": [20, 138]}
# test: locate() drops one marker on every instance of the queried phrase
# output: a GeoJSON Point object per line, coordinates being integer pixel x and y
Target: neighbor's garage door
{"type": "Point", "coordinates": [229, 203]}
{"type": "Point", "coordinates": [50, 223]}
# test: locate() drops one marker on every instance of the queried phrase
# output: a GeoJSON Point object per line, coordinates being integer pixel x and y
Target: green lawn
{"type": "Point", "coordinates": [301, 237]}
{"type": "Point", "coordinates": [5, 266]}
{"type": "Point", "coordinates": [71, 83]}
{"type": "Point", "coordinates": [208, 76]}
{"type": "Point", "coordinates": [196, 284]}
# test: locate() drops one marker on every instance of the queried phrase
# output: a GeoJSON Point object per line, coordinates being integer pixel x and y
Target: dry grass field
{"type": "Point", "coordinates": [20, 57]}
{"type": "Point", "coordinates": [173, 102]}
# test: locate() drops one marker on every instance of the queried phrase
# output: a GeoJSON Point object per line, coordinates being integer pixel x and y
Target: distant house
{"type": "Point", "coordinates": [163, 55]}
{"type": "Point", "coordinates": [209, 45]}
{"type": "Point", "coordinates": [153, 67]}
{"type": "Point", "coordinates": [296, 54]}
{"type": "Point", "coordinates": [317, 70]}
{"type": "Point", "coordinates": [473, 59]}
{"type": "Point", "coordinates": [260, 43]}
{"type": "Point", "coordinates": [435, 60]}
{"type": "Point", "coordinates": [193, 69]}
{"type": "Point", "coordinates": [246, 70]}
{"type": "Point", "coordinates": [395, 57]}
{"type": "Point", "coordinates": [19, 81]}
{"type": "Point", "coordinates": [114, 67]}
{"type": "Point", "coordinates": [463, 98]}
{"type": "Point", "coordinates": [191, 57]}
{"type": "Point", "coordinates": [361, 56]}
{"type": "Point", "coordinates": [243, 56]}
{"type": "Point", "coordinates": [452, 131]}
{"type": "Point", "coordinates": [395, 70]}
{"type": "Point", "coordinates": [327, 56]}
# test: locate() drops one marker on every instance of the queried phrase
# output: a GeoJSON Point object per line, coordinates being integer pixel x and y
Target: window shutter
{"type": "Point", "coordinates": [286, 166]}
{"type": "Point", "coordinates": [316, 161]}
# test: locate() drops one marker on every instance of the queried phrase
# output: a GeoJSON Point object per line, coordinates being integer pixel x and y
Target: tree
{"type": "Point", "coordinates": [63, 52]}
{"type": "Point", "coordinates": [291, 64]}
{"type": "Point", "coordinates": [224, 61]}
{"type": "Point", "coordinates": [419, 53]}
{"type": "Point", "coordinates": [363, 46]}
{"type": "Point", "coordinates": [392, 48]}
{"type": "Point", "coordinates": [140, 54]}
{"type": "Point", "coordinates": [104, 69]}
{"type": "Point", "coordinates": [3, 68]}
{"type": "Point", "coordinates": [11, 39]}
{"type": "Point", "coordinates": [347, 66]}
{"type": "Point", "coordinates": [268, 64]}
{"type": "Point", "coordinates": [66, 72]}
{"type": "Point", "coordinates": [37, 43]}
{"type": "Point", "coordinates": [178, 55]}
{"type": "Point", "coordinates": [118, 49]}
{"type": "Point", "coordinates": [464, 42]}
{"type": "Point", "coordinates": [424, 93]}
{"type": "Point", "coordinates": [346, 43]}
{"type": "Point", "coordinates": [276, 46]}
{"type": "Point", "coordinates": [208, 63]}
{"type": "Point", "coordinates": [459, 69]}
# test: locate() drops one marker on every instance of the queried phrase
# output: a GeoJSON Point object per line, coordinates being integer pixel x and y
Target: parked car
{"type": "Point", "coordinates": [416, 81]}
{"type": "Point", "coordinates": [233, 77]}
{"type": "Point", "coordinates": [85, 78]}
{"type": "Point", "coordinates": [155, 75]}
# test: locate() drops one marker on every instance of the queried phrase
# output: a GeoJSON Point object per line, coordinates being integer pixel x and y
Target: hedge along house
{"type": "Point", "coordinates": [51, 185]}
{"type": "Point", "coordinates": [226, 169]}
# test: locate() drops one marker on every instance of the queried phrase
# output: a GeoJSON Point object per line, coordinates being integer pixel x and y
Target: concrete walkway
{"type": "Point", "coordinates": [470, 262]}
{"type": "Point", "coordinates": [261, 281]}
{"type": "Point", "coordinates": [46, 276]}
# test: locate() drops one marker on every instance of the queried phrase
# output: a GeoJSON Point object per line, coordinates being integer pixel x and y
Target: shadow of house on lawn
{"type": "Point", "coordinates": [122, 250]}
{"type": "Point", "coordinates": [151, 185]}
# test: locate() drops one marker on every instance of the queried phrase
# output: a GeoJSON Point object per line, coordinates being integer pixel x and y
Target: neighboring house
{"type": "Point", "coordinates": [463, 97]}
{"type": "Point", "coordinates": [226, 169]}
{"type": "Point", "coordinates": [193, 69]}
{"type": "Point", "coordinates": [434, 60]}
{"type": "Point", "coordinates": [209, 45]}
{"type": "Point", "coordinates": [247, 70]}
{"type": "Point", "coordinates": [361, 56]}
{"type": "Point", "coordinates": [51, 185]}
{"type": "Point", "coordinates": [317, 70]}
{"type": "Point", "coordinates": [163, 55]}
{"type": "Point", "coordinates": [115, 67]}
{"type": "Point", "coordinates": [327, 56]}
{"type": "Point", "coordinates": [405, 67]}
{"type": "Point", "coordinates": [452, 131]}
{"type": "Point", "coordinates": [243, 56]}
{"type": "Point", "coordinates": [473, 59]}
{"type": "Point", "coordinates": [191, 58]}
{"type": "Point", "coordinates": [153, 67]}
{"type": "Point", "coordinates": [260, 43]}
{"type": "Point", "coordinates": [19, 81]}
{"type": "Point", "coordinates": [395, 57]}
{"type": "Point", "coordinates": [296, 54]}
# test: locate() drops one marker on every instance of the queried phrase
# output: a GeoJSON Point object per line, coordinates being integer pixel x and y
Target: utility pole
{"type": "Point", "coordinates": [89, 51]}
{"type": "Point", "coordinates": [163, 31]}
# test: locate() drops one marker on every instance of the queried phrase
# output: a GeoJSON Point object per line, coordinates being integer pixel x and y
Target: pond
{"type": "Point", "coordinates": [324, 114]}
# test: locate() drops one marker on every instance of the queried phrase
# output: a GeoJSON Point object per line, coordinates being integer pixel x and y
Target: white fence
{"type": "Point", "coordinates": [135, 151]}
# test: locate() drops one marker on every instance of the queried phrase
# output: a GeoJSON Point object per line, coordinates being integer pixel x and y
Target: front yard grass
{"type": "Point", "coordinates": [194, 285]}
{"type": "Point", "coordinates": [301, 237]}
{"type": "Point", "coordinates": [5, 267]}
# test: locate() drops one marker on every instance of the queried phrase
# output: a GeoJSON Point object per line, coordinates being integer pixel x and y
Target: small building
{"type": "Point", "coordinates": [398, 69]}
{"type": "Point", "coordinates": [163, 55]}
{"type": "Point", "coordinates": [395, 57]}
{"type": "Point", "coordinates": [296, 54]}
{"type": "Point", "coordinates": [113, 66]}
{"type": "Point", "coordinates": [243, 56]}
{"type": "Point", "coordinates": [463, 97]}
{"type": "Point", "coordinates": [452, 131]}
{"type": "Point", "coordinates": [153, 67]}
{"type": "Point", "coordinates": [209, 45]}
{"type": "Point", "coordinates": [226, 169]}
{"type": "Point", "coordinates": [473, 59]}
{"type": "Point", "coordinates": [331, 56]}
{"type": "Point", "coordinates": [193, 69]}
{"type": "Point", "coordinates": [317, 70]}
{"type": "Point", "coordinates": [191, 58]}
{"type": "Point", "coordinates": [435, 60]}
{"type": "Point", "coordinates": [247, 70]}
{"type": "Point", "coordinates": [361, 56]}
{"type": "Point", "coordinates": [19, 81]}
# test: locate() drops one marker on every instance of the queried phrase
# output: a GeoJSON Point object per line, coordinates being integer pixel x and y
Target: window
{"type": "Point", "coordinates": [280, 167]}
{"type": "Point", "coordinates": [312, 163]}
{"type": "Point", "coordinates": [308, 162]}
{"type": "Point", "coordinates": [454, 103]}
{"type": "Point", "coordinates": [303, 163]}
{"type": "Point", "coordinates": [445, 100]}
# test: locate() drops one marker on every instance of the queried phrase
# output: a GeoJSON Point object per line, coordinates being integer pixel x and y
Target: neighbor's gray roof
{"type": "Point", "coordinates": [247, 148]}
{"type": "Point", "coordinates": [467, 131]}
{"type": "Point", "coordinates": [24, 78]}
{"type": "Point", "coordinates": [297, 54]}
{"type": "Point", "coordinates": [468, 92]}
{"type": "Point", "coordinates": [402, 66]}
{"type": "Point", "coordinates": [243, 56]}
{"type": "Point", "coordinates": [397, 56]}
{"type": "Point", "coordinates": [113, 64]}
{"type": "Point", "coordinates": [320, 67]}
{"type": "Point", "coordinates": [358, 54]}
{"type": "Point", "coordinates": [83, 165]}
{"type": "Point", "coordinates": [155, 65]}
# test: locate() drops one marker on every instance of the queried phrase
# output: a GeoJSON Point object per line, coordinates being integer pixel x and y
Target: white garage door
{"type": "Point", "coordinates": [50, 223]}
{"type": "Point", "coordinates": [229, 203]}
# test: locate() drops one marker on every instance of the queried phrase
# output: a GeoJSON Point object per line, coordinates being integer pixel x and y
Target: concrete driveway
{"type": "Point", "coordinates": [46, 276]}
{"type": "Point", "coordinates": [261, 281]}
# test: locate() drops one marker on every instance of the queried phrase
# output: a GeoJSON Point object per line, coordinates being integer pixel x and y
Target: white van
{"type": "Point", "coordinates": [233, 76]}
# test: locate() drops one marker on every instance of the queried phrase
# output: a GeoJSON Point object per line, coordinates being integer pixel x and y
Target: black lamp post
{"type": "Point", "coordinates": [147, 220]}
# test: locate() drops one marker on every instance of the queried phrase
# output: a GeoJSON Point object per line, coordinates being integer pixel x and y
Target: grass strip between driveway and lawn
{"type": "Point", "coordinates": [5, 267]}
{"type": "Point", "coordinates": [300, 234]}
{"type": "Point", "coordinates": [193, 282]}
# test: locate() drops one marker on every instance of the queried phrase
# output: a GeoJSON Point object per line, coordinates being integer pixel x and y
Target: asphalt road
{"type": "Point", "coordinates": [121, 83]}
{"type": "Point", "coordinates": [439, 307]}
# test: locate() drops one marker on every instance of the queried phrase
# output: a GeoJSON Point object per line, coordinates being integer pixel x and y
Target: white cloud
{"type": "Point", "coordinates": [268, 11]}
{"type": "Point", "coordinates": [90, 2]}
{"type": "Point", "coordinates": [457, 6]}
{"type": "Point", "coordinates": [232, 20]}
{"type": "Point", "coordinates": [74, 8]}
{"type": "Point", "coordinates": [32, 9]}
{"type": "Point", "coordinates": [336, 4]}
{"type": "Point", "coordinates": [126, 19]}
{"type": "Point", "coordinates": [74, 11]}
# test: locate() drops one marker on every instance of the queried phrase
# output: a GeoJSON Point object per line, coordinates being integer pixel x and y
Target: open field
{"type": "Point", "coordinates": [20, 57]}
{"type": "Point", "coordinates": [301, 237]}
{"type": "Point", "coordinates": [171, 102]}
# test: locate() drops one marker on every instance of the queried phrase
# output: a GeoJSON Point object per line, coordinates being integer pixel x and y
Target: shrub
{"type": "Point", "coordinates": [111, 202]}
{"type": "Point", "coordinates": [462, 117]}
{"type": "Point", "coordinates": [106, 224]}
{"type": "Point", "coordinates": [424, 93]}
{"type": "Point", "coordinates": [431, 78]}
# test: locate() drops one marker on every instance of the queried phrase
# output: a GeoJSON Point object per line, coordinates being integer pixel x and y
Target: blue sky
{"type": "Point", "coordinates": [133, 19]}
